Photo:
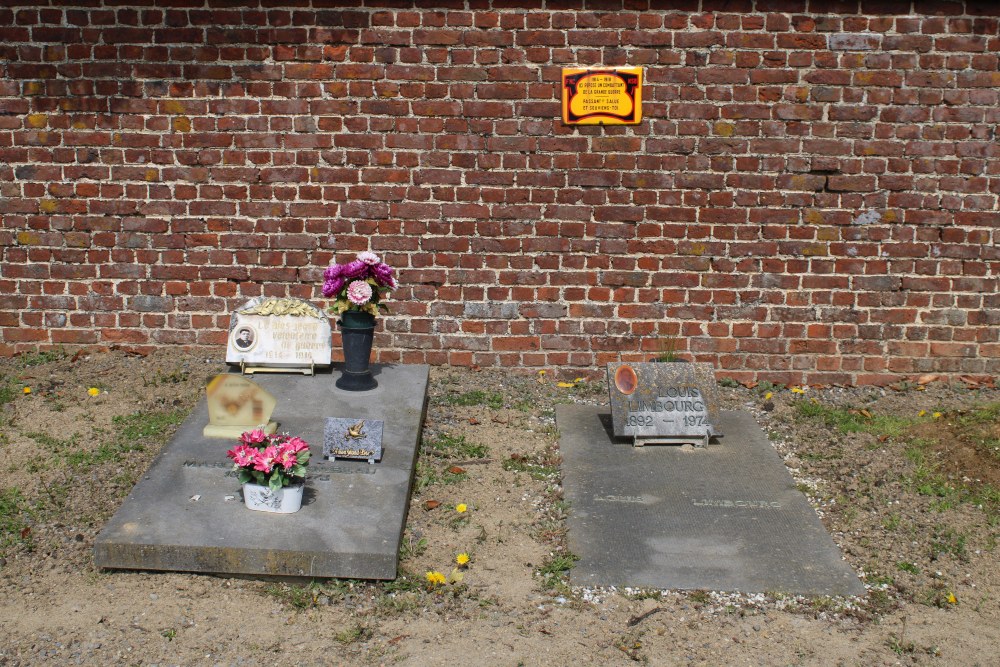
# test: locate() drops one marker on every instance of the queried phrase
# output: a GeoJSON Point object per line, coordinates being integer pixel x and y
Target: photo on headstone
{"type": "Point", "coordinates": [268, 333]}
{"type": "Point", "coordinates": [664, 403]}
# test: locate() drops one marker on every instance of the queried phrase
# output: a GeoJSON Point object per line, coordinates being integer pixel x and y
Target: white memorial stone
{"type": "Point", "coordinates": [279, 333]}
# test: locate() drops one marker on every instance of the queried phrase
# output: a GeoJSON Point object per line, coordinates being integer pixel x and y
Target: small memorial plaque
{"type": "Point", "coordinates": [666, 403]}
{"type": "Point", "coordinates": [279, 333]}
{"type": "Point", "coordinates": [352, 438]}
{"type": "Point", "coordinates": [235, 405]}
{"type": "Point", "coordinates": [602, 96]}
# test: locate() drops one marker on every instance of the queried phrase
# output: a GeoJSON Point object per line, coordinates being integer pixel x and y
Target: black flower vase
{"type": "Point", "coordinates": [357, 330]}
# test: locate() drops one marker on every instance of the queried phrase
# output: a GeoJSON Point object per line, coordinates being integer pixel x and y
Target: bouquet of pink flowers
{"type": "Point", "coordinates": [358, 285]}
{"type": "Point", "coordinates": [270, 460]}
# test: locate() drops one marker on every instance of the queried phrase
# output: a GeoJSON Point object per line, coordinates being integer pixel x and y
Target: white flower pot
{"type": "Point", "coordinates": [285, 500]}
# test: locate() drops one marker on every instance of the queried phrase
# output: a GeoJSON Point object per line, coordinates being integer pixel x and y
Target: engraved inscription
{"type": "Point", "coordinates": [751, 504]}
{"type": "Point", "coordinates": [619, 499]}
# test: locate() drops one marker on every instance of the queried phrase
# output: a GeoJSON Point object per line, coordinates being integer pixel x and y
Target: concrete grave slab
{"type": "Point", "coordinates": [723, 518]}
{"type": "Point", "coordinates": [187, 514]}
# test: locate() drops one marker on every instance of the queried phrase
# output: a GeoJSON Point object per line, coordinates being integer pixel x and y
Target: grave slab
{"type": "Point", "coordinates": [187, 513]}
{"type": "Point", "coordinates": [725, 518]}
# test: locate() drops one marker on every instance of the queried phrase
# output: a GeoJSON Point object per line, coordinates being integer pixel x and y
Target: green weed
{"type": "Point", "coordinates": [491, 399]}
{"type": "Point", "coordinates": [14, 515]}
{"type": "Point", "coordinates": [454, 447]}
{"type": "Point", "coordinates": [539, 471]}
{"type": "Point", "coordinates": [142, 425]}
{"type": "Point", "coordinates": [556, 568]}
{"type": "Point", "coordinates": [8, 390]}
{"type": "Point", "coordinates": [354, 633]}
{"type": "Point", "coordinates": [39, 357]}
{"type": "Point", "coordinates": [854, 421]}
{"type": "Point", "coordinates": [905, 566]}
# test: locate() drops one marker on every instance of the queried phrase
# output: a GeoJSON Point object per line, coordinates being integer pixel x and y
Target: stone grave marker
{"type": "Point", "coordinates": [727, 518]}
{"type": "Point", "coordinates": [352, 439]}
{"type": "Point", "coordinates": [268, 333]}
{"type": "Point", "coordinates": [235, 405]}
{"type": "Point", "coordinates": [664, 402]}
{"type": "Point", "coordinates": [185, 513]}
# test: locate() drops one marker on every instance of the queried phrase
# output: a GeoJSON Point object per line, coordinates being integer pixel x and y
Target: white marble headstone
{"type": "Point", "coordinates": [279, 333]}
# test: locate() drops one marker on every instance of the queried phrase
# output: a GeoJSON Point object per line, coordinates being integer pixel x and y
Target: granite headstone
{"type": "Point", "coordinates": [663, 402]}
{"type": "Point", "coordinates": [352, 439]}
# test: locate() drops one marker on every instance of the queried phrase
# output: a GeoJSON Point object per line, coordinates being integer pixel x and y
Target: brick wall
{"type": "Point", "coordinates": [811, 196]}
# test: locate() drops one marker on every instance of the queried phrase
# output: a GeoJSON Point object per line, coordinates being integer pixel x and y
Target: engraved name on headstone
{"type": "Point", "coordinates": [663, 403]}
{"type": "Point", "coordinates": [279, 333]}
{"type": "Point", "coordinates": [353, 439]}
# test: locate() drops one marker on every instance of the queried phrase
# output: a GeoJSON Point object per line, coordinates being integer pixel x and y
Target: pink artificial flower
{"type": "Point", "coordinates": [242, 455]}
{"type": "Point", "coordinates": [253, 437]}
{"type": "Point", "coordinates": [286, 457]}
{"type": "Point", "coordinates": [296, 444]}
{"type": "Point", "coordinates": [359, 292]}
{"type": "Point", "coordinates": [369, 258]}
{"type": "Point", "coordinates": [264, 460]}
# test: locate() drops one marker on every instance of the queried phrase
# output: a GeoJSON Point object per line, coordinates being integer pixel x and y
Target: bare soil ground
{"type": "Point", "coordinates": [906, 480]}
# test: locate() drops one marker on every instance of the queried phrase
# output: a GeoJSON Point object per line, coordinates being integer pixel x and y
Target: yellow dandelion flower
{"type": "Point", "coordinates": [951, 598]}
{"type": "Point", "coordinates": [541, 372]}
{"type": "Point", "coordinates": [565, 385]}
{"type": "Point", "coordinates": [461, 508]}
{"type": "Point", "coordinates": [93, 391]}
{"type": "Point", "coordinates": [797, 390]}
{"type": "Point", "coordinates": [435, 578]}
{"type": "Point", "coordinates": [462, 558]}
{"type": "Point", "coordinates": [937, 415]}
{"type": "Point", "coordinates": [26, 390]}
{"type": "Point", "coordinates": [767, 396]}
{"type": "Point", "coordinates": [814, 400]}
{"type": "Point", "coordinates": [922, 413]}
{"type": "Point", "coordinates": [575, 380]}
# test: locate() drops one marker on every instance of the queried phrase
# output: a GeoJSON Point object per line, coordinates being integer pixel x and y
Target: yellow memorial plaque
{"type": "Point", "coordinates": [235, 405]}
{"type": "Point", "coordinates": [606, 95]}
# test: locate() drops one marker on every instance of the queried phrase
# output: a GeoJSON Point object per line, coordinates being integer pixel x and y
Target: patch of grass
{"type": "Point", "coordinates": [854, 421]}
{"type": "Point", "coordinates": [906, 566]}
{"type": "Point", "coordinates": [555, 569]}
{"type": "Point", "coordinates": [354, 633]}
{"type": "Point", "coordinates": [176, 376]}
{"type": "Point", "coordinates": [950, 542]}
{"type": "Point", "coordinates": [299, 597]}
{"type": "Point", "coordinates": [978, 425]}
{"type": "Point", "coordinates": [491, 399]}
{"type": "Point", "coordinates": [454, 447]}
{"type": "Point", "coordinates": [541, 467]}
{"type": "Point", "coordinates": [140, 425]}
{"type": "Point", "coordinates": [410, 548]}
{"type": "Point", "coordinates": [39, 357]}
{"type": "Point", "coordinates": [729, 383]}
{"type": "Point", "coordinates": [14, 515]}
{"type": "Point", "coordinates": [8, 389]}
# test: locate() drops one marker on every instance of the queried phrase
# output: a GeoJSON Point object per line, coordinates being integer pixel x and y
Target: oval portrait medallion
{"type": "Point", "coordinates": [626, 380]}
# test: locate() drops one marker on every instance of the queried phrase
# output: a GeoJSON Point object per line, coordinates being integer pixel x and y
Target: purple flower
{"type": "Point", "coordinates": [332, 286]}
{"type": "Point", "coordinates": [333, 271]}
{"type": "Point", "coordinates": [369, 258]}
{"type": "Point", "coordinates": [359, 292]}
{"type": "Point", "coordinates": [355, 269]}
{"type": "Point", "coordinates": [383, 275]}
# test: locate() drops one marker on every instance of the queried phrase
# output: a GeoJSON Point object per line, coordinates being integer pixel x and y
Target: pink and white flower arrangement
{"type": "Point", "coordinates": [359, 285]}
{"type": "Point", "coordinates": [270, 460]}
